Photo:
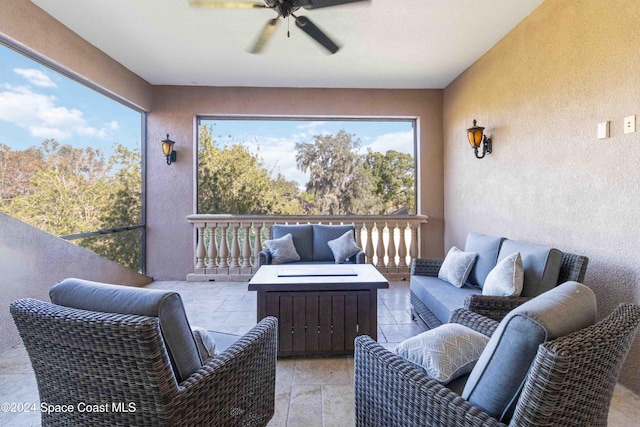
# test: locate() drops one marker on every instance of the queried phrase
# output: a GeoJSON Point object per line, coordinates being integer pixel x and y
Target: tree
{"type": "Point", "coordinates": [75, 190]}
{"type": "Point", "coordinates": [16, 170]}
{"type": "Point", "coordinates": [123, 208]}
{"type": "Point", "coordinates": [234, 181]}
{"type": "Point", "coordinates": [393, 178]}
{"type": "Point", "coordinates": [336, 179]}
{"type": "Point", "coordinates": [67, 194]}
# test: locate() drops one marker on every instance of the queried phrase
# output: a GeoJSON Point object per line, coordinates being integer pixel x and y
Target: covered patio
{"type": "Point", "coordinates": [549, 179]}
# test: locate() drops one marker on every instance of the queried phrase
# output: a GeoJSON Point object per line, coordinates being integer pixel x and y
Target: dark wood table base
{"type": "Point", "coordinates": [319, 318]}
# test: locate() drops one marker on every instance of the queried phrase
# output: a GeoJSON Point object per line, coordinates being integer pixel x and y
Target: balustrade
{"type": "Point", "coordinates": [227, 246]}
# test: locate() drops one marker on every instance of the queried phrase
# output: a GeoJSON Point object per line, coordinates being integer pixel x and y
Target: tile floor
{"type": "Point", "coordinates": [309, 391]}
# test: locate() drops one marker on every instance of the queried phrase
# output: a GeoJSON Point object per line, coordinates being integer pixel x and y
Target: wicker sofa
{"type": "Point", "coordinates": [433, 300]}
{"type": "Point", "coordinates": [568, 379]}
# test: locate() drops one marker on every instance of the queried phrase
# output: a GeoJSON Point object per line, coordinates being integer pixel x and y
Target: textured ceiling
{"type": "Point", "coordinates": [385, 43]}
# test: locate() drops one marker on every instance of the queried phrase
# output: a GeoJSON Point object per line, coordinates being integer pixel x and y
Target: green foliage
{"type": "Point", "coordinates": [231, 180]}
{"type": "Point", "coordinates": [393, 178]}
{"type": "Point", "coordinates": [341, 181]}
{"type": "Point", "coordinates": [75, 190]}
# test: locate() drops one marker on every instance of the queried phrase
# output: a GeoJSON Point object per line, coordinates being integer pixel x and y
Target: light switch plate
{"type": "Point", "coordinates": [630, 124]}
{"type": "Point", "coordinates": [603, 130]}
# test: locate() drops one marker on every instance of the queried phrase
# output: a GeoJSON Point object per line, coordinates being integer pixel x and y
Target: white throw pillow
{"type": "Point", "coordinates": [205, 343]}
{"type": "Point", "coordinates": [456, 266]}
{"type": "Point", "coordinates": [506, 279]}
{"type": "Point", "coordinates": [344, 247]}
{"type": "Point", "coordinates": [282, 249]}
{"type": "Point", "coordinates": [445, 352]}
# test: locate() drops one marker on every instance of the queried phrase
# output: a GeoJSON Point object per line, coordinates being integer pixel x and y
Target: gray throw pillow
{"type": "Point", "coordinates": [282, 249]}
{"type": "Point", "coordinates": [445, 352]}
{"type": "Point", "coordinates": [205, 343]}
{"type": "Point", "coordinates": [506, 279]}
{"type": "Point", "coordinates": [344, 247]}
{"type": "Point", "coordinates": [456, 266]}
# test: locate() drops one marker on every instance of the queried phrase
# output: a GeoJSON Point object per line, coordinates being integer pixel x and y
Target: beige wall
{"type": "Point", "coordinates": [30, 28]}
{"type": "Point", "coordinates": [170, 194]}
{"type": "Point", "coordinates": [541, 92]}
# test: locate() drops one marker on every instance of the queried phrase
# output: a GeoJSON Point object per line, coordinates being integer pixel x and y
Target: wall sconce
{"type": "Point", "coordinates": [167, 150]}
{"type": "Point", "coordinates": [477, 137]}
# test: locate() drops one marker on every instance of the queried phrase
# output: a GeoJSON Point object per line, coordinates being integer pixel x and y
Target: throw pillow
{"type": "Point", "coordinates": [506, 279]}
{"type": "Point", "coordinates": [445, 352]}
{"type": "Point", "coordinates": [205, 343]}
{"type": "Point", "coordinates": [282, 249]}
{"type": "Point", "coordinates": [456, 266]}
{"type": "Point", "coordinates": [344, 247]}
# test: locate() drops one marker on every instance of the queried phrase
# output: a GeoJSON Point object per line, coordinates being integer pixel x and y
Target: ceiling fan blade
{"type": "Point", "coordinates": [317, 4]}
{"type": "Point", "coordinates": [227, 4]}
{"type": "Point", "coordinates": [265, 35]}
{"type": "Point", "coordinates": [316, 33]}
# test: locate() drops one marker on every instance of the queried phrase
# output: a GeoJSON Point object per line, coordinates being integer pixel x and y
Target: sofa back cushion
{"type": "Point", "coordinates": [302, 235]}
{"type": "Point", "coordinates": [541, 265]}
{"type": "Point", "coordinates": [487, 248]}
{"type": "Point", "coordinates": [321, 235]}
{"type": "Point", "coordinates": [165, 305]}
{"type": "Point", "coordinates": [497, 378]}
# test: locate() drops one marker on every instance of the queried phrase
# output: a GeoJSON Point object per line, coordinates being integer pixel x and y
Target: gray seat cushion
{"type": "Point", "coordinates": [302, 238]}
{"type": "Point", "coordinates": [439, 296]}
{"type": "Point", "coordinates": [321, 235]}
{"type": "Point", "coordinates": [487, 248]}
{"type": "Point", "coordinates": [165, 305]}
{"type": "Point", "coordinates": [496, 381]}
{"type": "Point", "coordinates": [541, 265]}
{"type": "Point", "coordinates": [223, 340]}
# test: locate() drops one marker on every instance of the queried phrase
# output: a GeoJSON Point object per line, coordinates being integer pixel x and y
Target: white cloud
{"type": "Point", "coordinates": [114, 125]}
{"type": "Point", "coordinates": [278, 155]}
{"type": "Point", "coordinates": [311, 125]}
{"type": "Point", "coordinates": [40, 115]}
{"type": "Point", "coordinates": [35, 77]}
{"type": "Point", "coordinates": [398, 141]}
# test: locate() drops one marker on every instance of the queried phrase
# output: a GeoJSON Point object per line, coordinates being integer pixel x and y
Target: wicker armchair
{"type": "Point", "coordinates": [570, 382]}
{"type": "Point", "coordinates": [573, 268]}
{"type": "Point", "coordinates": [114, 370]}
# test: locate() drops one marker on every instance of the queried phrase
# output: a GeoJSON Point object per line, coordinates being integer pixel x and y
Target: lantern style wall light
{"type": "Point", "coordinates": [168, 151]}
{"type": "Point", "coordinates": [477, 138]}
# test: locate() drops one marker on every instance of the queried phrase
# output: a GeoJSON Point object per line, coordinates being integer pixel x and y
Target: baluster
{"type": "Point", "coordinates": [224, 247]}
{"type": "Point", "coordinates": [268, 226]}
{"type": "Point", "coordinates": [413, 249]}
{"type": "Point", "coordinates": [358, 229]}
{"type": "Point", "coordinates": [402, 248]}
{"type": "Point", "coordinates": [212, 248]}
{"type": "Point", "coordinates": [369, 249]}
{"type": "Point", "coordinates": [391, 247]}
{"type": "Point", "coordinates": [201, 253]}
{"type": "Point", "coordinates": [380, 249]}
{"type": "Point", "coordinates": [257, 244]}
{"type": "Point", "coordinates": [235, 246]}
{"type": "Point", "coordinates": [246, 244]}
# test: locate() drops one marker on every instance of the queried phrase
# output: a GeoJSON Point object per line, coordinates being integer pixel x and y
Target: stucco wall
{"type": "Point", "coordinates": [540, 92]}
{"type": "Point", "coordinates": [31, 261]}
{"type": "Point", "coordinates": [170, 196]}
{"type": "Point", "coordinates": [27, 26]}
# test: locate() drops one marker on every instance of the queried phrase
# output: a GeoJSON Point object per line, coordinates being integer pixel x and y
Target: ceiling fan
{"type": "Point", "coordinates": [284, 9]}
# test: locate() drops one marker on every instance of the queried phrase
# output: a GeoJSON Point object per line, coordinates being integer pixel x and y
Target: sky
{"type": "Point", "coordinates": [37, 103]}
{"type": "Point", "coordinates": [274, 140]}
